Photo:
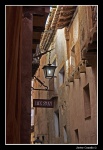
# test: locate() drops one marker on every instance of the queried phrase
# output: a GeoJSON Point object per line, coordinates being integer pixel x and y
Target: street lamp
{"type": "Point", "coordinates": [37, 141]}
{"type": "Point", "coordinates": [49, 70]}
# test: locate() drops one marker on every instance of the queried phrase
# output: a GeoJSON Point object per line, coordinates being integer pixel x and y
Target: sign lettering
{"type": "Point", "coordinates": [43, 103]}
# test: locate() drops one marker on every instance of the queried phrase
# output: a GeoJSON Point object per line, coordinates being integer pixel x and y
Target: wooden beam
{"type": "Point", "coordinates": [82, 69]}
{"type": "Point", "coordinates": [87, 63]}
{"type": "Point", "coordinates": [65, 14]}
{"type": "Point", "coordinates": [64, 19]}
{"type": "Point", "coordinates": [69, 8]}
{"type": "Point", "coordinates": [74, 14]}
{"type": "Point", "coordinates": [68, 11]}
{"type": "Point", "coordinates": [38, 28]}
{"type": "Point", "coordinates": [95, 36]}
{"type": "Point", "coordinates": [39, 15]}
{"type": "Point", "coordinates": [77, 75]}
{"type": "Point", "coordinates": [33, 50]}
{"type": "Point", "coordinates": [37, 9]}
{"type": "Point", "coordinates": [92, 46]}
{"type": "Point", "coordinates": [62, 25]}
{"type": "Point", "coordinates": [36, 41]}
{"type": "Point", "coordinates": [71, 79]}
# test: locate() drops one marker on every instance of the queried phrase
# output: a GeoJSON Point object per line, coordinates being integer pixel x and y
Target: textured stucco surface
{"type": "Point", "coordinates": [70, 101]}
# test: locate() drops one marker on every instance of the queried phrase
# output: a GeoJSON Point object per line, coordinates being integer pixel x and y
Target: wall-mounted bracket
{"type": "Point", "coordinates": [46, 87]}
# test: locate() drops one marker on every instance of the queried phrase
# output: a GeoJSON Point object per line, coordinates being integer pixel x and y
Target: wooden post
{"type": "Point", "coordinates": [82, 69]}
{"type": "Point", "coordinates": [71, 78]}
{"type": "Point", "coordinates": [77, 74]}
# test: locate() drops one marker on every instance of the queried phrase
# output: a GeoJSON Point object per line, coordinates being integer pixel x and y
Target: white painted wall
{"type": "Point", "coordinates": [32, 116]}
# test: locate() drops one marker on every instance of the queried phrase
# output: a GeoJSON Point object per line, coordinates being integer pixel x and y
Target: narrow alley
{"type": "Point", "coordinates": [51, 74]}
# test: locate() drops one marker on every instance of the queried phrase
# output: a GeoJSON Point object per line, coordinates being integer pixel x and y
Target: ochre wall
{"type": "Point", "coordinates": [70, 102]}
{"type": "Point", "coordinates": [40, 128]}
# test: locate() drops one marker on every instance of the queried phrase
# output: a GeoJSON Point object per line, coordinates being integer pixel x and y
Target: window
{"type": "Point", "coordinates": [65, 134]}
{"type": "Point", "coordinates": [32, 116]}
{"type": "Point", "coordinates": [61, 76]}
{"type": "Point", "coordinates": [76, 136]}
{"type": "Point", "coordinates": [87, 107]}
{"type": "Point", "coordinates": [56, 121]}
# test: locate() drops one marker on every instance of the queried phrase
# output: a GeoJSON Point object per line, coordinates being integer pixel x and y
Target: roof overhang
{"type": "Point", "coordinates": [59, 17]}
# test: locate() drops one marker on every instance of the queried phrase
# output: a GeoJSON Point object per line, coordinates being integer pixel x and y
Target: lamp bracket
{"type": "Point", "coordinates": [41, 82]}
{"type": "Point", "coordinates": [46, 87]}
{"type": "Point", "coordinates": [40, 54]}
{"type": "Point", "coordinates": [42, 89]}
{"type": "Point", "coordinates": [49, 57]}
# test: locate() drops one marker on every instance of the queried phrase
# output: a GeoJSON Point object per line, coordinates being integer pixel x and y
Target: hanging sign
{"type": "Point", "coordinates": [43, 103]}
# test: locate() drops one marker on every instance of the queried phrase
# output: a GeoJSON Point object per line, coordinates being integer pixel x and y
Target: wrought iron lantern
{"type": "Point", "coordinates": [49, 70]}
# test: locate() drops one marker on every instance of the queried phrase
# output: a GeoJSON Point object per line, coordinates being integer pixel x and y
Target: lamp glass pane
{"type": "Point", "coordinates": [50, 72]}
